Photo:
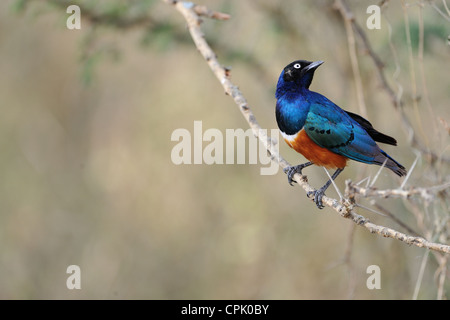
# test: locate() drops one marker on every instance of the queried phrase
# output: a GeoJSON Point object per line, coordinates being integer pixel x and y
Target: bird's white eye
{"type": "Point", "coordinates": [297, 66]}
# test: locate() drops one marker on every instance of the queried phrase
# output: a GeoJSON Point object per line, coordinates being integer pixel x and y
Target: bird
{"type": "Point", "coordinates": [321, 131]}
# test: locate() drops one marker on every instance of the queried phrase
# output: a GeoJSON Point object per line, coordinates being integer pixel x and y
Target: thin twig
{"type": "Point", "coordinates": [348, 16]}
{"type": "Point", "coordinates": [426, 193]}
{"type": "Point", "coordinates": [355, 67]}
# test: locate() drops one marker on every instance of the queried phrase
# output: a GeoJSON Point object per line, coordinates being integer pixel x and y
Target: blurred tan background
{"type": "Point", "coordinates": [86, 176]}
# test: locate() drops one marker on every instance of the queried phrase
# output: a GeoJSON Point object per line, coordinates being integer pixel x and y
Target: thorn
{"type": "Point", "coordinates": [366, 178]}
{"type": "Point", "coordinates": [370, 209]}
{"type": "Point", "coordinates": [378, 173]}
{"type": "Point", "coordinates": [410, 171]}
{"type": "Point", "coordinates": [368, 182]}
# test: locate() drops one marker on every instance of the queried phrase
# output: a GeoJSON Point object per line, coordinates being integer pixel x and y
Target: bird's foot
{"type": "Point", "coordinates": [291, 171]}
{"type": "Point", "coordinates": [318, 195]}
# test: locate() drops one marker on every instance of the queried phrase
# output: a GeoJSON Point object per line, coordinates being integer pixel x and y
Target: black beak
{"type": "Point", "coordinates": [313, 65]}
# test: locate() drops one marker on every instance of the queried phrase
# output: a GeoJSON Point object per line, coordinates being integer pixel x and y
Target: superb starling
{"type": "Point", "coordinates": [321, 131]}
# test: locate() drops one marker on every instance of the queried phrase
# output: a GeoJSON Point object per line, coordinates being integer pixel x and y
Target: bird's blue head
{"type": "Point", "coordinates": [296, 76]}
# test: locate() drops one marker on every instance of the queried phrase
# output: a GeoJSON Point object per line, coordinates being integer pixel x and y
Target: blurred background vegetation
{"type": "Point", "coordinates": [87, 177]}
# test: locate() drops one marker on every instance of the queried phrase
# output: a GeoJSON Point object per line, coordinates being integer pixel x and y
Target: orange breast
{"type": "Point", "coordinates": [314, 153]}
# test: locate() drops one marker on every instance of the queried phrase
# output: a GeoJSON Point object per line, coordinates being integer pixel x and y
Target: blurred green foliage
{"type": "Point", "coordinates": [436, 31]}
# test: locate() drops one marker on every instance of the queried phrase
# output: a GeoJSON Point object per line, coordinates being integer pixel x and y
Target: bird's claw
{"type": "Point", "coordinates": [318, 194]}
{"type": "Point", "coordinates": [291, 171]}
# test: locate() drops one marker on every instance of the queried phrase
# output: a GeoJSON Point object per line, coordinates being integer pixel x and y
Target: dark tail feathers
{"type": "Point", "coordinates": [396, 167]}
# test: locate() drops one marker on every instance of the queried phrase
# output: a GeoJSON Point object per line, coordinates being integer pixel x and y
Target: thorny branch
{"type": "Point", "coordinates": [425, 193]}
{"type": "Point", "coordinates": [192, 14]}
